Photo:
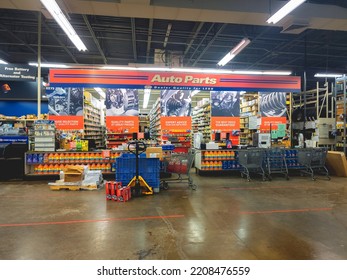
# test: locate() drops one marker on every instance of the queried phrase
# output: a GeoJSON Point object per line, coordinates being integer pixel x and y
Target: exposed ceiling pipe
{"type": "Point", "coordinates": [133, 37]}
{"type": "Point", "coordinates": [209, 43]}
{"type": "Point", "coordinates": [149, 39]}
{"type": "Point", "coordinates": [94, 38]}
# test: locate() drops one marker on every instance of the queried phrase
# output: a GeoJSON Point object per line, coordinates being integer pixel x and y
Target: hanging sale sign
{"type": "Point", "coordinates": [122, 124]}
{"type": "Point", "coordinates": [225, 103]}
{"type": "Point", "coordinates": [272, 123]}
{"type": "Point", "coordinates": [67, 122]}
{"type": "Point", "coordinates": [225, 124]}
{"type": "Point", "coordinates": [176, 123]}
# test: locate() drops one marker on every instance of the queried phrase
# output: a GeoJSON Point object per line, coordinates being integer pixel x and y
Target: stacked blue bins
{"type": "Point", "coordinates": [149, 170]}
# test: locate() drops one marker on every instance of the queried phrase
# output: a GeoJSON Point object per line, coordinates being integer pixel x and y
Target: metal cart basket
{"type": "Point", "coordinates": [276, 162]}
{"type": "Point", "coordinates": [180, 165]}
{"type": "Point", "coordinates": [313, 161]}
{"type": "Point", "coordinates": [252, 160]}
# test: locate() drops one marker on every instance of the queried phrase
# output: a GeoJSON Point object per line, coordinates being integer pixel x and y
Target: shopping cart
{"type": "Point", "coordinates": [313, 161]}
{"type": "Point", "coordinates": [276, 162]}
{"type": "Point", "coordinates": [180, 165]}
{"type": "Point", "coordinates": [252, 161]}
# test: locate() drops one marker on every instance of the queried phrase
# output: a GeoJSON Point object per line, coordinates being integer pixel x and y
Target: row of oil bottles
{"type": "Point", "coordinates": [220, 165]}
{"type": "Point", "coordinates": [69, 157]}
{"type": "Point", "coordinates": [41, 169]}
{"type": "Point", "coordinates": [219, 155]}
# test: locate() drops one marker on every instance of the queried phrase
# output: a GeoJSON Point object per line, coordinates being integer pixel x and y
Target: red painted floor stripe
{"type": "Point", "coordinates": [92, 221]}
{"type": "Point", "coordinates": [286, 211]}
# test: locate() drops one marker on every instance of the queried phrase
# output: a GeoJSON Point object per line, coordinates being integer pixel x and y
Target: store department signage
{"type": "Point", "coordinates": [170, 80]}
{"type": "Point", "coordinates": [225, 124]}
{"type": "Point", "coordinates": [17, 72]}
{"type": "Point", "coordinates": [271, 123]}
{"type": "Point", "coordinates": [68, 122]}
{"type": "Point", "coordinates": [122, 124]}
{"type": "Point", "coordinates": [176, 123]}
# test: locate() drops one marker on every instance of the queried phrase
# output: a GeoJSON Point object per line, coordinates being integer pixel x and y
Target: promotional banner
{"type": "Point", "coordinates": [121, 102]}
{"type": "Point", "coordinates": [67, 122]}
{"type": "Point", "coordinates": [273, 104]}
{"type": "Point", "coordinates": [175, 103]}
{"type": "Point", "coordinates": [122, 124]}
{"type": "Point", "coordinates": [176, 123]}
{"type": "Point", "coordinates": [268, 123]}
{"type": "Point", "coordinates": [17, 72]}
{"type": "Point", "coordinates": [172, 80]}
{"type": "Point", "coordinates": [65, 106]}
{"type": "Point", "coordinates": [18, 90]}
{"type": "Point", "coordinates": [225, 124]}
{"type": "Point", "coordinates": [225, 103]}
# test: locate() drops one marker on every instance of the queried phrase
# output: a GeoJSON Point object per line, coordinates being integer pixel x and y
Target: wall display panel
{"type": "Point", "coordinates": [65, 101]}
{"type": "Point", "coordinates": [175, 103]}
{"type": "Point", "coordinates": [273, 104]}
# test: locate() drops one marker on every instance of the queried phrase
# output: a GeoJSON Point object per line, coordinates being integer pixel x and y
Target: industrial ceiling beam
{"type": "Point", "coordinates": [209, 43]}
{"type": "Point", "coordinates": [168, 30]}
{"type": "Point", "coordinates": [94, 38]}
{"type": "Point", "coordinates": [133, 37]}
{"type": "Point", "coordinates": [149, 39]}
{"type": "Point", "coordinates": [197, 28]}
{"type": "Point", "coordinates": [59, 42]}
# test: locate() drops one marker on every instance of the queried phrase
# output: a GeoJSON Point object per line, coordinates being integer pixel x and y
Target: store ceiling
{"type": "Point", "coordinates": [312, 39]}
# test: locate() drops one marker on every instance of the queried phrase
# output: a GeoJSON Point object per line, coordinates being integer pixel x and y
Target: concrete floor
{"type": "Point", "coordinates": [225, 218]}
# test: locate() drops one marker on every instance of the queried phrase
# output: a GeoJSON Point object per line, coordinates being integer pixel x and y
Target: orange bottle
{"type": "Point", "coordinates": [92, 166]}
{"type": "Point", "coordinates": [98, 166]}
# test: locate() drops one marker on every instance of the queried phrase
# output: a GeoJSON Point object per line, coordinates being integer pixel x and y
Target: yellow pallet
{"type": "Point", "coordinates": [74, 188]}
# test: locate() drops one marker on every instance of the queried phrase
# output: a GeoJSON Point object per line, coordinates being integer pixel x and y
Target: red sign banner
{"type": "Point", "coordinates": [176, 123]}
{"type": "Point", "coordinates": [122, 124]}
{"type": "Point", "coordinates": [67, 122]}
{"type": "Point", "coordinates": [172, 79]}
{"type": "Point", "coordinates": [225, 124]}
{"type": "Point", "coordinates": [268, 123]}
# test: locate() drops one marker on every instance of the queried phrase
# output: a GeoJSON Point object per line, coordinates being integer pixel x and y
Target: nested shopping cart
{"type": "Point", "coordinates": [252, 161]}
{"type": "Point", "coordinates": [313, 161]}
{"type": "Point", "coordinates": [276, 162]}
{"type": "Point", "coordinates": [179, 165]}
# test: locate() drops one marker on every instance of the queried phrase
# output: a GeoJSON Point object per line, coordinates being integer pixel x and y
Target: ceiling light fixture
{"type": "Point", "coordinates": [234, 52]}
{"type": "Point", "coordinates": [285, 10]}
{"type": "Point", "coordinates": [3, 61]}
{"type": "Point", "coordinates": [58, 15]}
{"type": "Point", "coordinates": [49, 65]}
{"type": "Point", "coordinates": [328, 75]}
{"type": "Point", "coordinates": [146, 98]}
{"type": "Point", "coordinates": [101, 92]}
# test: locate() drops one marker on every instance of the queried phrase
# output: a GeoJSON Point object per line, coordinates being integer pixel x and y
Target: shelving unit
{"type": "Point", "coordinates": [115, 139]}
{"type": "Point", "coordinates": [154, 122]}
{"type": "Point", "coordinates": [38, 164]}
{"type": "Point", "coordinates": [93, 128]}
{"type": "Point", "coordinates": [341, 125]}
{"type": "Point", "coordinates": [42, 136]}
{"type": "Point", "coordinates": [201, 121]}
{"type": "Point", "coordinates": [249, 108]}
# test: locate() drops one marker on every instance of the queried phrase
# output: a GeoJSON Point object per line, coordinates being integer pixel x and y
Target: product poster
{"type": "Point", "coordinates": [122, 124]}
{"type": "Point", "coordinates": [65, 107]}
{"type": "Point", "coordinates": [225, 103]}
{"type": "Point", "coordinates": [65, 101]}
{"type": "Point", "coordinates": [122, 102]}
{"type": "Point", "coordinates": [273, 104]}
{"type": "Point", "coordinates": [175, 103]}
{"type": "Point", "coordinates": [18, 90]}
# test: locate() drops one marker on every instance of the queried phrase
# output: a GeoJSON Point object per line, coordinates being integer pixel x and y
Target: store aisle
{"type": "Point", "coordinates": [225, 218]}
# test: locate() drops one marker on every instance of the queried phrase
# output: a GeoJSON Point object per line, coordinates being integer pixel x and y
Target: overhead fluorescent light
{"type": "Point", "coordinates": [285, 10]}
{"type": "Point", "coordinates": [101, 92]}
{"type": "Point", "coordinates": [234, 52]}
{"type": "Point", "coordinates": [60, 18]}
{"type": "Point", "coordinates": [49, 65]}
{"type": "Point", "coordinates": [3, 61]}
{"type": "Point", "coordinates": [328, 75]}
{"type": "Point", "coordinates": [146, 98]}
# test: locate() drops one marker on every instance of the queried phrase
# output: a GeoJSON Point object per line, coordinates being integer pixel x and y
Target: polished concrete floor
{"type": "Point", "coordinates": [225, 218]}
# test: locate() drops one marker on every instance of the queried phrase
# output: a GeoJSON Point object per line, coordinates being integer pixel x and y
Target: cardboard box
{"type": "Point", "coordinates": [154, 152]}
{"type": "Point", "coordinates": [74, 173]}
{"type": "Point", "coordinates": [336, 163]}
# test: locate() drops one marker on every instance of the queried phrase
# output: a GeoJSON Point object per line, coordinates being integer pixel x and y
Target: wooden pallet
{"type": "Point", "coordinates": [75, 188]}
